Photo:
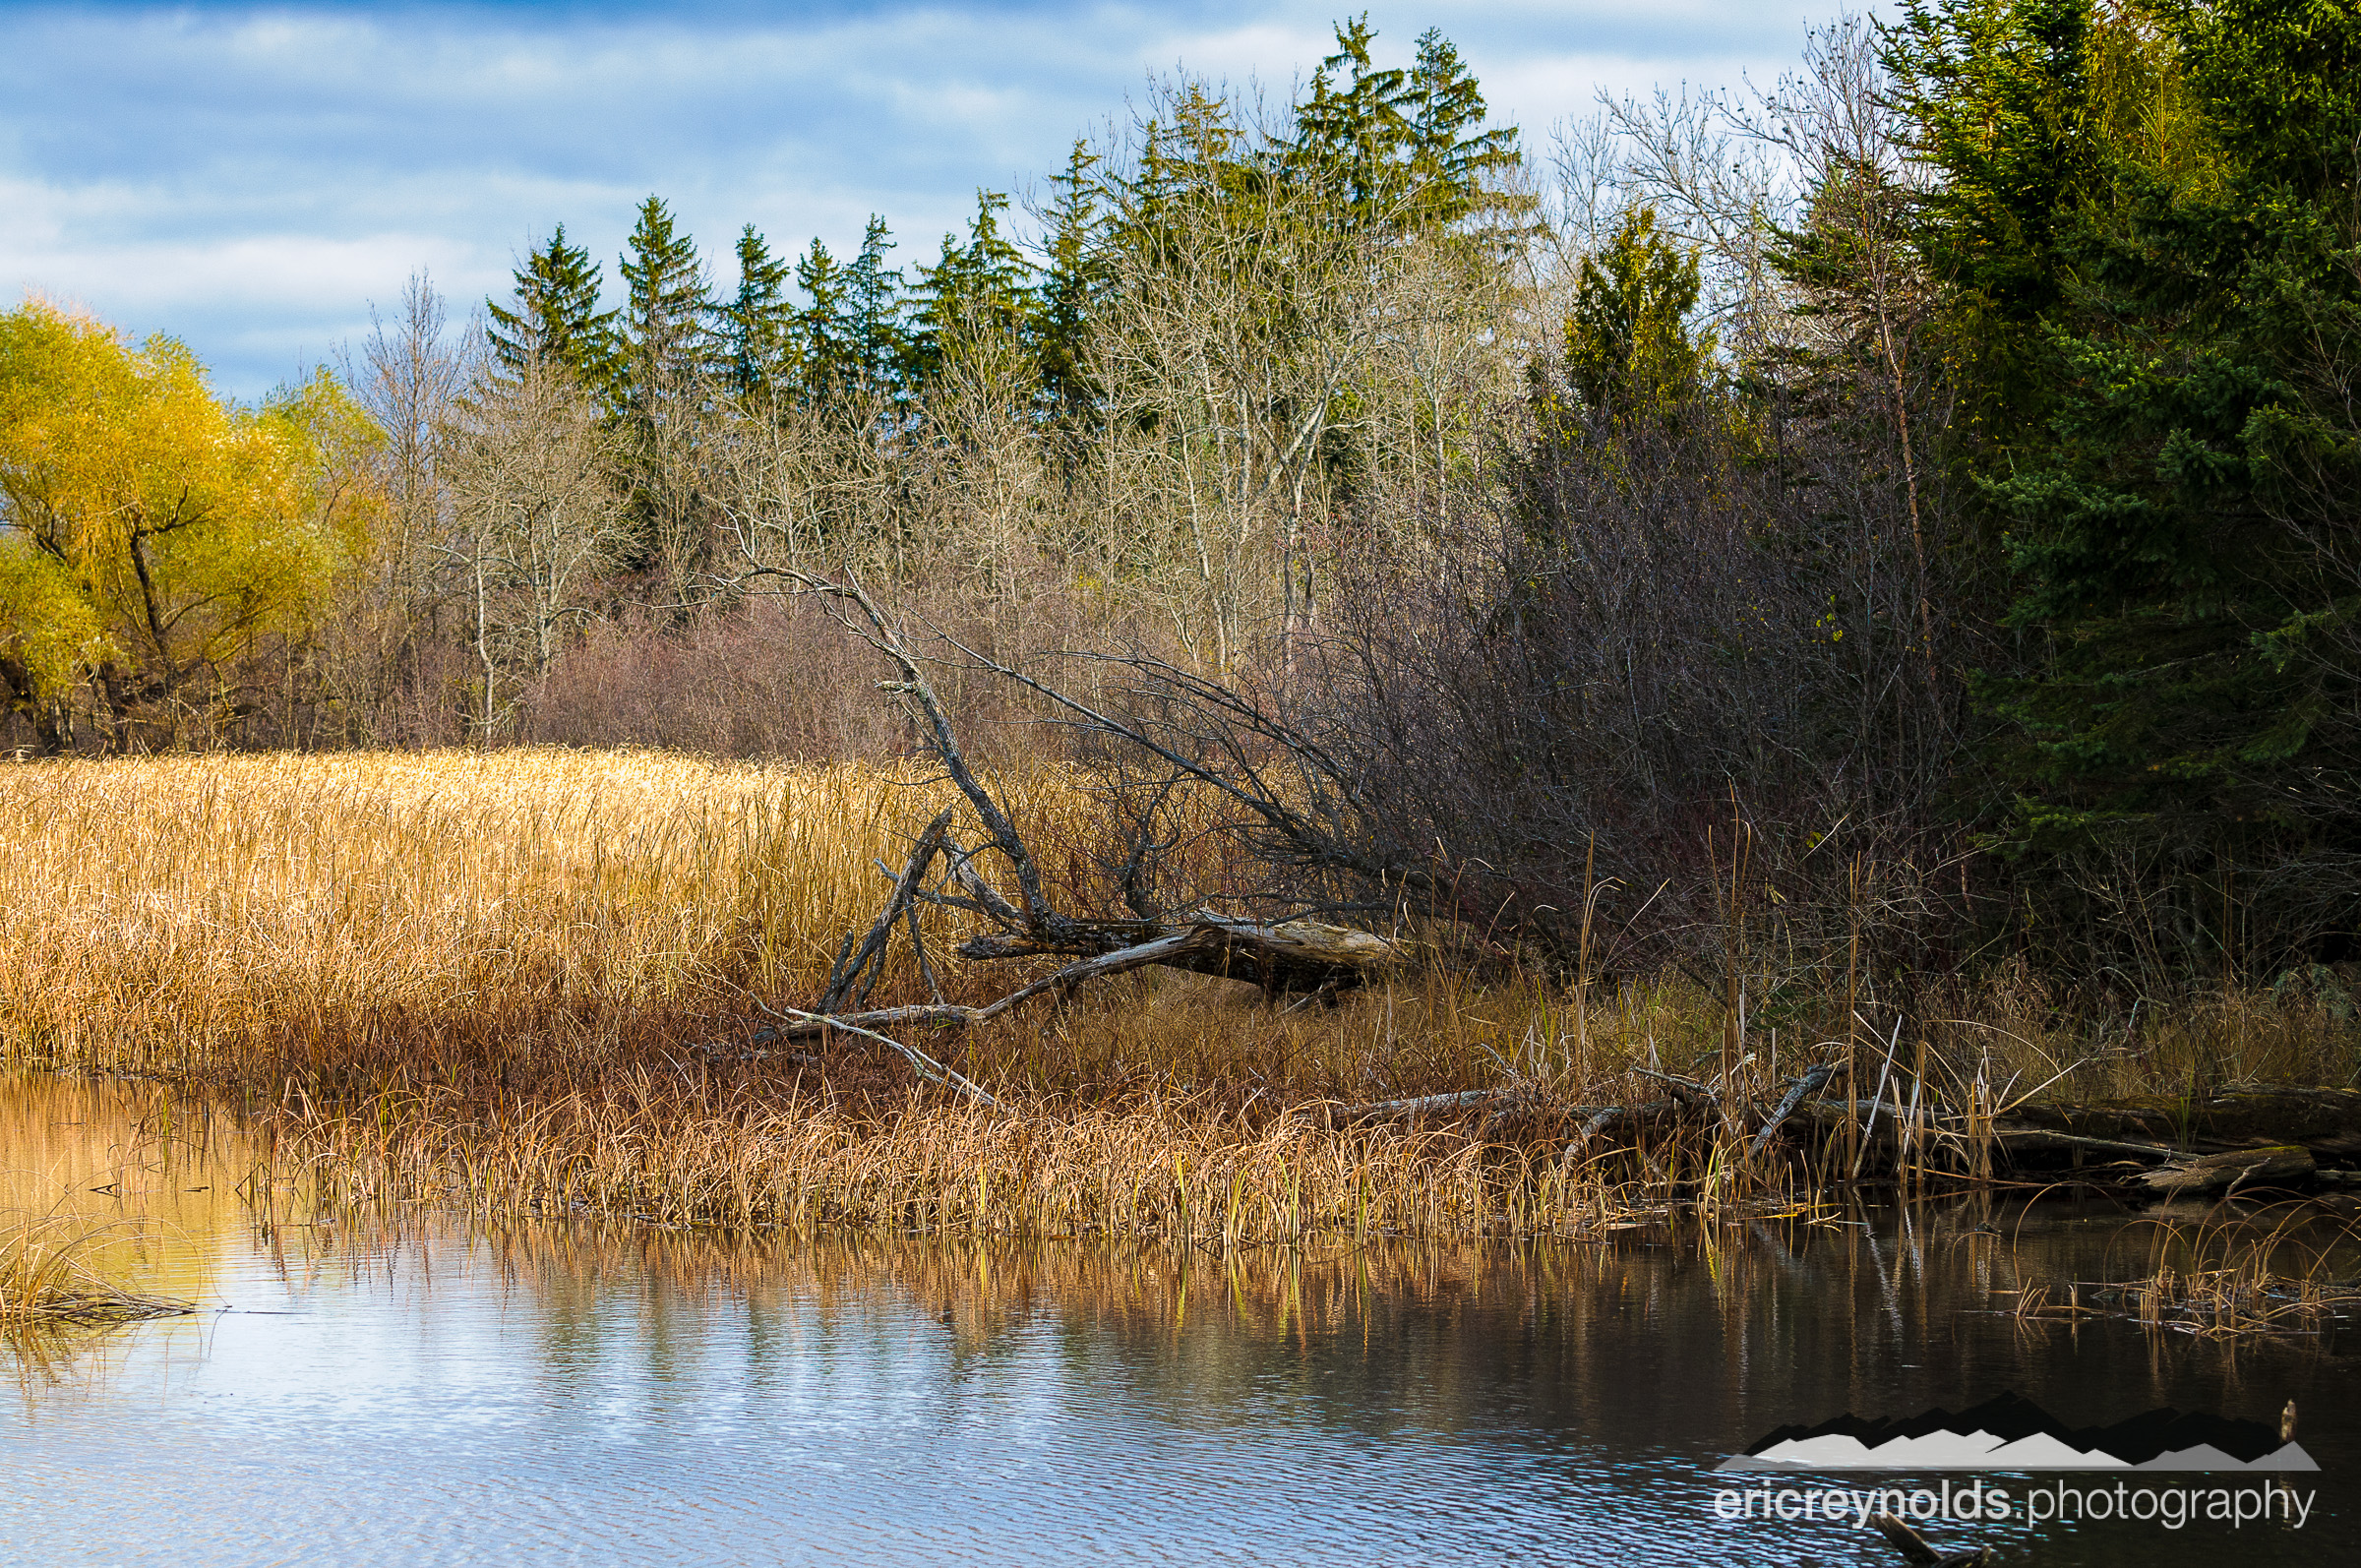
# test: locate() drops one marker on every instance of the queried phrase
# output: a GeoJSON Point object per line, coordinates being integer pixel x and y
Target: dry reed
{"type": "Point", "coordinates": [47, 1281]}
{"type": "Point", "coordinates": [526, 977]}
{"type": "Point", "coordinates": [2222, 1277]}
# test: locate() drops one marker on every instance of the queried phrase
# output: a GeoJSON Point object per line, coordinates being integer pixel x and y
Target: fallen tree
{"type": "Point", "coordinates": [1290, 955]}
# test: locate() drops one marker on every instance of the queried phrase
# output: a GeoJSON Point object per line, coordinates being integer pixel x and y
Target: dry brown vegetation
{"type": "Point", "coordinates": [529, 981]}
{"type": "Point", "coordinates": [2219, 1275]}
{"type": "Point", "coordinates": [47, 1279]}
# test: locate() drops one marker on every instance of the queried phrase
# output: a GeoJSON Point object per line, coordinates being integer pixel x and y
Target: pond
{"type": "Point", "coordinates": [409, 1387]}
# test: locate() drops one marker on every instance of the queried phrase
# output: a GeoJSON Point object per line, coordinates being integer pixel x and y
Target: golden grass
{"type": "Point", "coordinates": [47, 1279]}
{"type": "Point", "coordinates": [160, 912]}
{"type": "Point", "coordinates": [1186, 1172]}
{"type": "Point", "coordinates": [184, 915]}
{"type": "Point", "coordinates": [488, 978]}
{"type": "Point", "coordinates": [2221, 1274]}
{"type": "Point", "coordinates": [492, 979]}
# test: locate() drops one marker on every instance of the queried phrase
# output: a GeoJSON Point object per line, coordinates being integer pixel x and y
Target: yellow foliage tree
{"type": "Point", "coordinates": [156, 534]}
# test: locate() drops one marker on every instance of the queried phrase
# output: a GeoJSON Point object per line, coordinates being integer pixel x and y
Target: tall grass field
{"type": "Point", "coordinates": [533, 980]}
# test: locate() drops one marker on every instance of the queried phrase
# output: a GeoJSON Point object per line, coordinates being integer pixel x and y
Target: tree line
{"type": "Point", "coordinates": [1911, 506]}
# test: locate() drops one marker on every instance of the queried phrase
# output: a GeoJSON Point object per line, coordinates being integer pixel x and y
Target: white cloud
{"type": "Point", "coordinates": [250, 179]}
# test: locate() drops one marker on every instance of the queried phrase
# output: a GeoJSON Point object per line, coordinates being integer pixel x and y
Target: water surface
{"type": "Point", "coordinates": [412, 1388]}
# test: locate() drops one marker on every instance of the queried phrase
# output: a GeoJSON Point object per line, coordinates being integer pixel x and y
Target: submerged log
{"type": "Point", "coordinates": [2022, 1140]}
{"type": "Point", "coordinates": [1917, 1550]}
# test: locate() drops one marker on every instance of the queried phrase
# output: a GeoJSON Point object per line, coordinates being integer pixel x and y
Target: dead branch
{"type": "Point", "coordinates": [856, 973]}
{"type": "Point", "coordinates": [927, 1067]}
{"type": "Point", "coordinates": [1799, 1089]}
{"type": "Point", "coordinates": [1423, 1105]}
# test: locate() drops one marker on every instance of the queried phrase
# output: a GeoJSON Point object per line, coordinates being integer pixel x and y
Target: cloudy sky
{"type": "Point", "coordinates": [252, 177]}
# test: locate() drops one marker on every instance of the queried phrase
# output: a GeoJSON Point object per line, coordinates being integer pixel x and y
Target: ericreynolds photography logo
{"type": "Point", "coordinates": [2146, 1467]}
{"type": "Point", "coordinates": [2014, 1433]}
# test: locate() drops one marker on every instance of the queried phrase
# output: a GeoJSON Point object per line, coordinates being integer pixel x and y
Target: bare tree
{"type": "Point", "coordinates": [537, 518]}
{"type": "Point", "coordinates": [409, 374]}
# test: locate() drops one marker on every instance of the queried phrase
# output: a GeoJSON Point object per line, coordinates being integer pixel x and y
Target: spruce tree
{"type": "Point", "coordinates": [1407, 149]}
{"type": "Point", "coordinates": [979, 293]}
{"type": "Point", "coordinates": [667, 333]}
{"type": "Point", "coordinates": [761, 323]}
{"type": "Point", "coordinates": [2186, 689]}
{"type": "Point", "coordinates": [1074, 275]}
{"type": "Point", "coordinates": [873, 311]}
{"type": "Point", "coordinates": [1352, 133]}
{"type": "Point", "coordinates": [555, 317]}
{"type": "Point", "coordinates": [824, 327]}
{"type": "Point", "coordinates": [1452, 157]}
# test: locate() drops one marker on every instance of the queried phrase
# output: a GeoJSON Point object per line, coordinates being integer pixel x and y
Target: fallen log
{"type": "Point", "coordinates": [1206, 946]}
{"type": "Point", "coordinates": [1281, 957]}
{"type": "Point", "coordinates": [1615, 1118]}
{"type": "Point", "coordinates": [2227, 1118]}
{"type": "Point", "coordinates": [1688, 1091]}
{"type": "Point", "coordinates": [802, 1025]}
{"type": "Point", "coordinates": [2229, 1172]}
{"type": "Point", "coordinates": [1799, 1089]}
{"type": "Point", "coordinates": [2016, 1140]}
{"type": "Point", "coordinates": [1423, 1105]}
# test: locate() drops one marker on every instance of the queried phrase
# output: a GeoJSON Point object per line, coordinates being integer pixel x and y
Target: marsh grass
{"type": "Point", "coordinates": [526, 979]}
{"type": "Point", "coordinates": [2222, 1275]}
{"type": "Point", "coordinates": [47, 1279]}
{"type": "Point", "coordinates": [1183, 1170]}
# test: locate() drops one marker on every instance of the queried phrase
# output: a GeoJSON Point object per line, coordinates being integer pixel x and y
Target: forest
{"type": "Point", "coordinates": [1905, 517]}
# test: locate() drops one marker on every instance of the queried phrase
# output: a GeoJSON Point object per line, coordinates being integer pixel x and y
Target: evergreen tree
{"type": "Point", "coordinates": [1356, 131]}
{"type": "Point", "coordinates": [977, 293]}
{"type": "Point", "coordinates": [760, 324]}
{"type": "Point", "coordinates": [1451, 155]}
{"type": "Point", "coordinates": [555, 317]}
{"type": "Point", "coordinates": [1407, 149]}
{"type": "Point", "coordinates": [1074, 272]}
{"type": "Point", "coordinates": [666, 329]}
{"type": "Point", "coordinates": [2192, 677]}
{"type": "Point", "coordinates": [873, 311]}
{"type": "Point", "coordinates": [850, 334]}
{"type": "Point", "coordinates": [2000, 98]}
{"type": "Point", "coordinates": [1629, 353]}
{"type": "Point", "coordinates": [824, 327]}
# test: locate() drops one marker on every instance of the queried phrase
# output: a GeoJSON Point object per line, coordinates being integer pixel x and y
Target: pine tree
{"type": "Point", "coordinates": [1074, 272]}
{"type": "Point", "coordinates": [2189, 685]}
{"type": "Point", "coordinates": [1356, 135]}
{"type": "Point", "coordinates": [555, 317]}
{"type": "Point", "coordinates": [872, 312]}
{"type": "Point", "coordinates": [1407, 149]}
{"type": "Point", "coordinates": [977, 293]}
{"type": "Point", "coordinates": [667, 335]}
{"type": "Point", "coordinates": [761, 323]}
{"type": "Point", "coordinates": [824, 327]}
{"type": "Point", "coordinates": [1452, 156]}
{"type": "Point", "coordinates": [2001, 98]}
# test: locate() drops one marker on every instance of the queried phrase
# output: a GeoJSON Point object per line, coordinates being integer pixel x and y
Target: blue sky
{"type": "Point", "coordinates": [252, 177]}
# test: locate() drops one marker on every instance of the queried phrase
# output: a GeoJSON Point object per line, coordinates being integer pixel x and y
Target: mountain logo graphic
{"type": "Point", "coordinates": [2012, 1432]}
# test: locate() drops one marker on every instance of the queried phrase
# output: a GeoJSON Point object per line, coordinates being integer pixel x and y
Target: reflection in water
{"type": "Point", "coordinates": [381, 1388]}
